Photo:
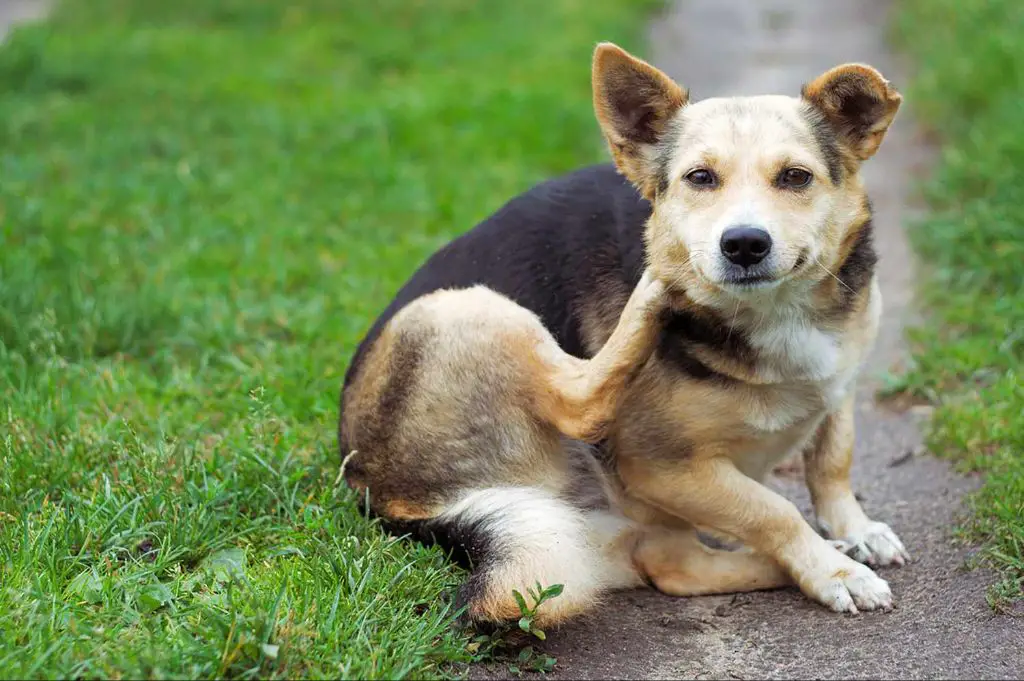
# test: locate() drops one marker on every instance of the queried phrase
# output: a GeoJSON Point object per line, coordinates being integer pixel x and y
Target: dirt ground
{"type": "Point", "coordinates": [942, 627]}
{"type": "Point", "coordinates": [15, 11]}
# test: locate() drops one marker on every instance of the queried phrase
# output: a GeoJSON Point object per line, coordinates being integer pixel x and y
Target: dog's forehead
{"type": "Point", "coordinates": [743, 121]}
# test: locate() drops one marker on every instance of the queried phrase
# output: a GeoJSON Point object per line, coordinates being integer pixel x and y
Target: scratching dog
{"type": "Point", "coordinates": [617, 357]}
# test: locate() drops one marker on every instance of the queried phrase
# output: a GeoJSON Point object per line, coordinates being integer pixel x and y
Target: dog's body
{"type": "Point", "coordinates": [570, 389]}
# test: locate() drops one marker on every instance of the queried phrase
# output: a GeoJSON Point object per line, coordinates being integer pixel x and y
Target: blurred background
{"type": "Point", "coordinates": [204, 204]}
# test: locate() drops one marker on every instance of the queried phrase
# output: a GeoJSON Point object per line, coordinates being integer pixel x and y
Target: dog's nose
{"type": "Point", "coordinates": [746, 246]}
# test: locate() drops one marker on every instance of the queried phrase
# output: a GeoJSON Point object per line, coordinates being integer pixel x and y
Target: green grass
{"type": "Point", "coordinates": [204, 203]}
{"type": "Point", "coordinates": [969, 89]}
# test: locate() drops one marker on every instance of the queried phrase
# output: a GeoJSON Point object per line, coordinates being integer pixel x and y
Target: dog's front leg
{"type": "Point", "coordinates": [711, 491]}
{"type": "Point", "coordinates": [827, 461]}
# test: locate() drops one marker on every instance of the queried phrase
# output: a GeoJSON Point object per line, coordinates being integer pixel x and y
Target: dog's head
{"type": "Point", "coordinates": [749, 193]}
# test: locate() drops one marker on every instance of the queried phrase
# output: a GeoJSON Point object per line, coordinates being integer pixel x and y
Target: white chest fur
{"type": "Point", "coordinates": [803, 370]}
{"type": "Point", "coordinates": [792, 349]}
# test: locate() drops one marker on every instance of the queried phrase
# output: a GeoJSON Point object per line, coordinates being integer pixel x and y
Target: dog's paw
{"type": "Point", "coordinates": [835, 580]}
{"type": "Point", "coordinates": [875, 544]}
{"type": "Point", "coordinates": [851, 588]}
{"type": "Point", "coordinates": [652, 292]}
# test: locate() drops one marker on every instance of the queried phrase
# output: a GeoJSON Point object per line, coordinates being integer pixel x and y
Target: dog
{"type": "Point", "coordinates": [615, 359]}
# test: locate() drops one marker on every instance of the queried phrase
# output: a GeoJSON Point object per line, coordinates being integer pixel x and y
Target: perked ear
{"type": "Point", "coordinates": [634, 103]}
{"type": "Point", "coordinates": [858, 102]}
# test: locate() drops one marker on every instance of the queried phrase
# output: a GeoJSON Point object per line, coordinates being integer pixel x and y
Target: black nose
{"type": "Point", "coordinates": [746, 246]}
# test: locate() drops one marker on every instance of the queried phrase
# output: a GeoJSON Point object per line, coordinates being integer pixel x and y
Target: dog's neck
{"type": "Point", "coordinates": [792, 333]}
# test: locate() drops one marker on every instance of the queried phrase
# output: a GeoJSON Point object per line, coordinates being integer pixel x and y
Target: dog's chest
{"type": "Point", "coordinates": [773, 421]}
{"type": "Point", "coordinates": [755, 394]}
{"type": "Point", "coordinates": [800, 373]}
{"type": "Point", "coordinates": [795, 350]}
{"type": "Point", "coordinates": [801, 370]}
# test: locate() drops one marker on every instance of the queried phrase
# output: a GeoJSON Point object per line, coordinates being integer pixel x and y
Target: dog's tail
{"type": "Point", "coordinates": [519, 537]}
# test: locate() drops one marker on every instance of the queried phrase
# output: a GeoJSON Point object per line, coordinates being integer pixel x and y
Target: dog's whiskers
{"type": "Point", "coordinates": [829, 272]}
{"type": "Point", "coordinates": [686, 263]}
{"type": "Point", "coordinates": [761, 319]}
{"type": "Point", "coordinates": [735, 314]}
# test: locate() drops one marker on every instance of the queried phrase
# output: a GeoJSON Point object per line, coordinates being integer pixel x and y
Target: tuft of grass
{"type": "Point", "coordinates": [970, 90]}
{"type": "Point", "coordinates": [204, 203]}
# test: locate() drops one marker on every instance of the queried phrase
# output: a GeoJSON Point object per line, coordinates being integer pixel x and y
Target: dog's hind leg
{"type": "Point", "coordinates": [581, 396]}
{"type": "Point", "coordinates": [679, 564]}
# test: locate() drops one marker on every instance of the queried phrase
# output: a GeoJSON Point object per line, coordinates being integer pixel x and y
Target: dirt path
{"type": "Point", "coordinates": [943, 627]}
{"type": "Point", "coordinates": [16, 11]}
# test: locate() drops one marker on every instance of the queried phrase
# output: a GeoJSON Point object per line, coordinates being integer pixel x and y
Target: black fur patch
{"type": "Point", "coordinates": [682, 330]}
{"type": "Point", "coordinates": [675, 351]}
{"type": "Point", "coordinates": [858, 268]}
{"type": "Point", "coordinates": [468, 544]}
{"type": "Point", "coordinates": [404, 359]}
{"type": "Point", "coordinates": [666, 146]}
{"type": "Point", "coordinates": [828, 141]}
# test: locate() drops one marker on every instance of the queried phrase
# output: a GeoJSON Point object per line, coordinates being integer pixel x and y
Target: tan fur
{"type": "Point", "coordinates": [481, 380]}
{"type": "Point", "coordinates": [828, 89]}
{"type": "Point", "coordinates": [680, 565]}
{"type": "Point", "coordinates": [584, 395]}
{"type": "Point", "coordinates": [400, 509]}
{"type": "Point", "coordinates": [634, 103]}
{"type": "Point", "coordinates": [501, 372]}
{"type": "Point", "coordinates": [406, 392]}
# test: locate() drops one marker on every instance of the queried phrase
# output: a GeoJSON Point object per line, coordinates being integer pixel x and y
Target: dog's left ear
{"type": "Point", "coordinates": [858, 102]}
{"type": "Point", "coordinates": [634, 103]}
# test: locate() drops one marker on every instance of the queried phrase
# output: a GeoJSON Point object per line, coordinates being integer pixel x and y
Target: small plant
{"type": "Point", "coordinates": [496, 645]}
{"type": "Point", "coordinates": [530, 659]}
{"type": "Point", "coordinates": [529, 613]}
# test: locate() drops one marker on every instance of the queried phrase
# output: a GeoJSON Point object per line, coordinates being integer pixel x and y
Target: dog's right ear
{"type": "Point", "coordinates": [859, 103]}
{"type": "Point", "coordinates": [634, 103]}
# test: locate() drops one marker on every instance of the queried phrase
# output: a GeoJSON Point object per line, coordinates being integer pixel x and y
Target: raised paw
{"type": "Point", "coordinates": [875, 544]}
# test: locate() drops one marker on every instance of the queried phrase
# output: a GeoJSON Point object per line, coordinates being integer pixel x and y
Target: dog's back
{"type": "Point", "coordinates": [574, 233]}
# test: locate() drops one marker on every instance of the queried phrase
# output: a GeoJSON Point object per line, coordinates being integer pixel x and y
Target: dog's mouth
{"type": "Point", "coordinates": [748, 281]}
{"type": "Point", "coordinates": [760, 277]}
{"type": "Point", "coordinates": [732, 278]}
{"type": "Point", "coordinates": [746, 278]}
{"type": "Point", "coordinates": [739, 279]}
{"type": "Point", "coordinates": [753, 279]}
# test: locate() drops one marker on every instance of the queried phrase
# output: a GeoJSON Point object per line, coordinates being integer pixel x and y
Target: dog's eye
{"type": "Point", "coordinates": [793, 178]}
{"type": "Point", "coordinates": [702, 177]}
